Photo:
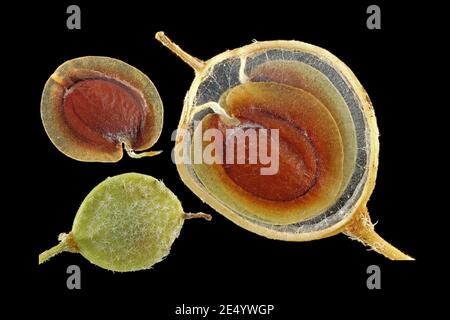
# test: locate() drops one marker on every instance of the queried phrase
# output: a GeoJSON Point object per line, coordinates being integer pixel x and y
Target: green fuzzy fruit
{"type": "Point", "coordinates": [126, 223]}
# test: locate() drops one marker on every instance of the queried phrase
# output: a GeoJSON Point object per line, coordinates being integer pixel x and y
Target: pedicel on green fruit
{"type": "Point", "coordinates": [126, 223]}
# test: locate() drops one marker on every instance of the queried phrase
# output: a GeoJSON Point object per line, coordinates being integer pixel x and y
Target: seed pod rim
{"type": "Point", "coordinates": [366, 108]}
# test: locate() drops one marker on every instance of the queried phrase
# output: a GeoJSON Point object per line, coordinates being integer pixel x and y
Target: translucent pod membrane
{"type": "Point", "coordinates": [328, 141]}
{"type": "Point", "coordinates": [92, 106]}
{"type": "Point", "coordinates": [126, 223]}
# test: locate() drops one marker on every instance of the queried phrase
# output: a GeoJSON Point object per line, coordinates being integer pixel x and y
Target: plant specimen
{"type": "Point", "coordinates": [328, 141]}
{"type": "Point", "coordinates": [126, 223]}
{"type": "Point", "coordinates": [91, 106]}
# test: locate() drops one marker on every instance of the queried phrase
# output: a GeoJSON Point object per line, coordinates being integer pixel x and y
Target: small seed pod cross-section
{"type": "Point", "coordinates": [92, 107]}
{"type": "Point", "coordinates": [303, 110]}
{"type": "Point", "coordinates": [126, 223]}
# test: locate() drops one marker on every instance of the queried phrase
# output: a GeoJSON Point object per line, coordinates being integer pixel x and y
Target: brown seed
{"type": "Point", "coordinates": [308, 135]}
{"type": "Point", "coordinates": [91, 106]}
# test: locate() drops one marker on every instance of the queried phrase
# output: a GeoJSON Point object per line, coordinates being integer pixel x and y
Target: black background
{"type": "Point", "coordinates": [218, 262]}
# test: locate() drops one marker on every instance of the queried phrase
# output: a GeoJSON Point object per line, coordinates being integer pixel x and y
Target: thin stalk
{"type": "Point", "coordinates": [132, 154]}
{"type": "Point", "coordinates": [197, 215]}
{"type": "Point", "coordinates": [67, 243]}
{"type": "Point", "coordinates": [195, 63]}
{"type": "Point", "coordinates": [362, 229]}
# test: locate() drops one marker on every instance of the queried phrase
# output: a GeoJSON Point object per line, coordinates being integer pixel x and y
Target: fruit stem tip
{"type": "Point", "coordinates": [198, 215]}
{"type": "Point", "coordinates": [362, 229]}
{"type": "Point", "coordinates": [195, 63]}
{"type": "Point", "coordinates": [67, 243]}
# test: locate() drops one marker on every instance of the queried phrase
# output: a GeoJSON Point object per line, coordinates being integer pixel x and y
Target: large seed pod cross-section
{"type": "Point", "coordinates": [327, 134]}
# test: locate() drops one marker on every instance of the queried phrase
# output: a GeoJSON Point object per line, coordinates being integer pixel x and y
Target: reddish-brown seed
{"type": "Point", "coordinates": [104, 111]}
{"type": "Point", "coordinates": [310, 148]}
{"type": "Point", "coordinates": [297, 168]}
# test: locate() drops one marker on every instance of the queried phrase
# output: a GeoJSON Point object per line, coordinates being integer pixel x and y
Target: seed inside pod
{"type": "Point", "coordinates": [126, 223]}
{"type": "Point", "coordinates": [309, 144]}
{"type": "Point", "coordinates": [91, 106]}
{"type": "Point", "coordinates": [328, 141]}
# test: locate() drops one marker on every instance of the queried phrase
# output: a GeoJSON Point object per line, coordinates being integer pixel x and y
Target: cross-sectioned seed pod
{"type": "Point", "coordinates": [327, 142]}
{"type": "Point", "coordinates": [92, 105]}
{"type": "Point", "coordinates": [126, 223]}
